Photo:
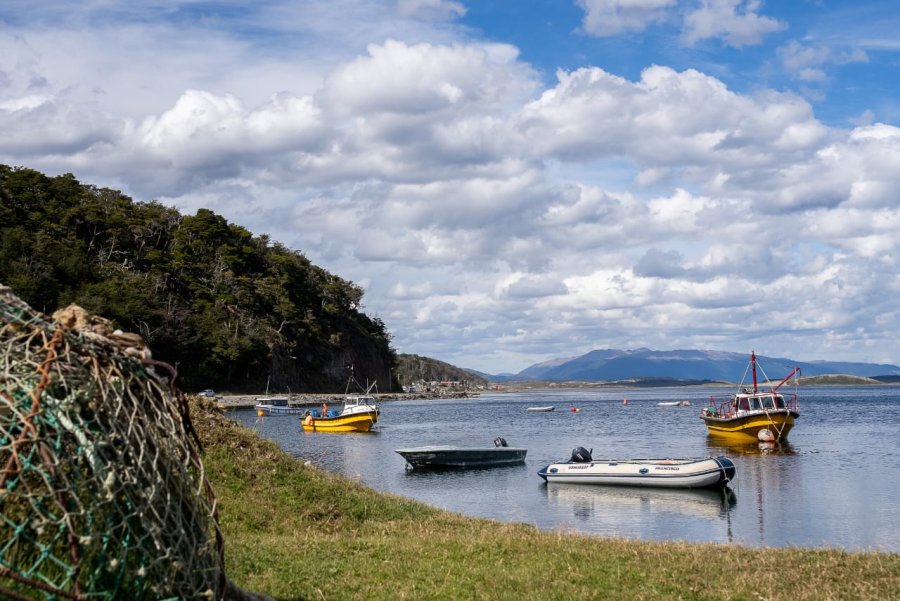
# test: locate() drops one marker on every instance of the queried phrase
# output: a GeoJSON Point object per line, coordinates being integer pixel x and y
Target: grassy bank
{"type": "Point", "coordinates": [295, 532]}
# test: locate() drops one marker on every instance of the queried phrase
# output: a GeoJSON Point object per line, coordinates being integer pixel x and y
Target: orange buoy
{"type": "Point", "coordinates": [574, 409]}
{"type": "Point", "coordinates": [625, 402]}
{"type": "Point", "coordinates": [260, 413]}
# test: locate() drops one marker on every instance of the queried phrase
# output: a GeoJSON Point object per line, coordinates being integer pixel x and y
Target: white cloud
{"type": "Point", "coordinates": [404, 291]}
{"type": "Point", "coordinates": [612, 17]}
{"type": "Point", "coordinates": [398, 78]}
{"type": "Point", "coordinates": [529, 286]}
{"type": "Point", "coordinates": [431, 9]}
{"type": "Point", "coordinates": [687, 121]}
{"type": "Point", "coordinates": [202, 127]}
{"type": "Point", "coordinates": [494, 220]}
{"type": "Point", "coordinates": [807, 63]}
{"type": "Point", "coordinates": [736, 22]}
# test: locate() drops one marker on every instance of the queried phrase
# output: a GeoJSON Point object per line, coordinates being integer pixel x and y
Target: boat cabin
{"type": "Point", "coordinates": [359, 403]}
{"type": "Point", "coordinates": [747, 402]}
{"type": "Point", "coordinates": [359, 399]}
{"type": "Point", "coordinates": [758, 402]}
{"type": "Point", "coordinates": [276, 401]}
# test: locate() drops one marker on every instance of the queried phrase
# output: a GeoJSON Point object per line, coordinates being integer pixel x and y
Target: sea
{"type": "Point", "coordinates": [835, 483]}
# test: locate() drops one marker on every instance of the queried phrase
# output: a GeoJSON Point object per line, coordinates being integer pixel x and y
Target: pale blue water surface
{"type": "Point", "coordinates": [834, 484]}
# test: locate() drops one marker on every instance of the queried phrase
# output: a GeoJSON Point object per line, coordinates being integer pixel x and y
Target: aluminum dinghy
{"type": "Point", "coordinates": [442, 456]}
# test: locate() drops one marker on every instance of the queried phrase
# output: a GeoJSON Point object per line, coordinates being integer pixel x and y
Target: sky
{"type": "Point", "coordinates": [510, 181]}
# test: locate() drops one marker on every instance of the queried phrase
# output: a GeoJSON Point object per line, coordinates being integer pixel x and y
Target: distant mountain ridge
{"type": "Point", "coordinates": [686, 364]}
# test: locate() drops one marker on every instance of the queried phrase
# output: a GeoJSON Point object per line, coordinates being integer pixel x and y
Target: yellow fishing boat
{"type": "Point", "coordinates": [753, 414]}
{"type": "Point", "coordinates": [359, 414]}
{"type": "Point", "coordinates": [354, 422]}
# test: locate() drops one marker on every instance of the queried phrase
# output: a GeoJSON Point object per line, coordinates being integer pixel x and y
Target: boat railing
{"type": "Point", "coordinates": [791, 401]}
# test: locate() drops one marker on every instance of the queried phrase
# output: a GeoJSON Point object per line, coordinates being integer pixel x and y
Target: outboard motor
{"type": "Point", "coordinates": [581, 455]}
{"type": "Point", "coordinates": [500, 442]}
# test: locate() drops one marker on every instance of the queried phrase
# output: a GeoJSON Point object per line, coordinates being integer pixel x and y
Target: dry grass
{"type": "Point", "coordinates": [295, 532]}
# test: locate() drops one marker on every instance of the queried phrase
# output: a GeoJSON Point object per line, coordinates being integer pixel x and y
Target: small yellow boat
{"type": "Point", "coordinates": [354, 422]}
{"type": "Point", "coordinates": [753, 414]}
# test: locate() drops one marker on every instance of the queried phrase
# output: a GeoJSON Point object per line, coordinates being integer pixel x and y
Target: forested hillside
{"type": "Point", "coordinates": [229, 309]}
{"type": "Point", "coordinates": [413, 368]}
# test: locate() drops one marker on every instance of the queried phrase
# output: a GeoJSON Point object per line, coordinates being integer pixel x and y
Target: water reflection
{"type": "Point", "coordinates": [431, 471]}
{"type": "Point", "coordinates": [718, 446]}
{"type": "Point", "coordinates": [771, 470]}
{"type": "Point", "coordinates": [587, 502]}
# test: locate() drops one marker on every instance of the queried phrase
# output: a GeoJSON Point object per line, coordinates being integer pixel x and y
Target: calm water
{"type": "Point", "coordinates": [835, 484]}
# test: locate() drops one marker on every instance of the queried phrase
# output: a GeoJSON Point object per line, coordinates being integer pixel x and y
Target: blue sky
{"type": "Point", "coordinates": [852, 45]}
{"type": "Point", "coordinates": [510, 181]}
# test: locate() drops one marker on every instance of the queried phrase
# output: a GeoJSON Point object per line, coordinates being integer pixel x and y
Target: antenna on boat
{"type": "Point", "coordinates": [753, 363]}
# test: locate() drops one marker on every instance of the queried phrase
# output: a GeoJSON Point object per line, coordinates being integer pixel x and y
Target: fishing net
{"type": "Point", "coordinates": [102, 491]}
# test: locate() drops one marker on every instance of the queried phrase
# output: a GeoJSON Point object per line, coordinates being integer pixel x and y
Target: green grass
{"type": "Point", "coordinates": [295, 532]}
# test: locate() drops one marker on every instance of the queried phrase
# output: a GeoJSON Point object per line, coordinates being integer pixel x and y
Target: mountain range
{"type": "Point", "coordinates": [688, 364]}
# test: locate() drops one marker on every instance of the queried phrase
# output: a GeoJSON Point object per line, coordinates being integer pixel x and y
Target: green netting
{"type": "Point", "coordinates": [102, 491]}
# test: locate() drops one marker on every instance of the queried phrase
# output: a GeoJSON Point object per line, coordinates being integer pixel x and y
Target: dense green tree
{"type": "Point", "coordinates": [227, 308]}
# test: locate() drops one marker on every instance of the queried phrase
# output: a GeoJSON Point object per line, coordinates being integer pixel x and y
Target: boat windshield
{"type": "Point", "coordinates": [759, 403]}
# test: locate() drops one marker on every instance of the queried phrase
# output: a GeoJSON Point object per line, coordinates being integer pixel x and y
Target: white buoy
{"type": "Point", "coordinates": [765, 435]}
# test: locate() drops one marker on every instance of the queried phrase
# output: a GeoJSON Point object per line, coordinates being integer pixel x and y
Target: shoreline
{"type": "Point", "coordinates": [248, 401]}
{"type": "Point", "coordinates": [309, 399]}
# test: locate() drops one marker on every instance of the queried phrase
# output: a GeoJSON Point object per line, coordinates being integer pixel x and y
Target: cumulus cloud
{"type": "Point", "coordinates": [807, 63]}
{"type": "Point", "coordinates": [736, 22]}
{"type": "Point", "coordinates": [431, 9]}
{"type": "Point", "coordinates": [398, 78]}
{"type": "Point", "coordinates": [685, 121]}
{"type": "Point", "coordinates": [611, 17]}
{"type": "Point", "coordinates": [474, 202]}
{"type": "Point", "coordinates": [203, 128]}
{"type": "Point", "coordinates": [526, 286]}
{"type": "Point", "coordinates": [657, 263]}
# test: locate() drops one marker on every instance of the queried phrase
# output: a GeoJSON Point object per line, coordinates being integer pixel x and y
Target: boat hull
{"type": "Point", "coordinates": [540, 409]}
{"type": "Point", "coordinates": [745, 428]}
{"type": "Point", "coordinates": [459, 457]}
{"type": "Point", "coordinates": [664, 473]}
{"type": "Point", "coordinates": [358, 422]}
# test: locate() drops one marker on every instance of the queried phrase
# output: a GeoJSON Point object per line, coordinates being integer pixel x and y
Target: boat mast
{"type": "Point", "coordinates": [753, 363]}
